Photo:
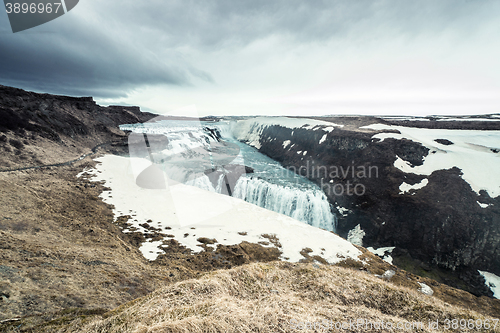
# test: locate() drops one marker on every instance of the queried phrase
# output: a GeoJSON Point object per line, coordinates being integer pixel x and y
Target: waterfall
{"type": "Point", "coordinates": [309, 206]}
{"type": "Point", "coordinates": [199, 155]}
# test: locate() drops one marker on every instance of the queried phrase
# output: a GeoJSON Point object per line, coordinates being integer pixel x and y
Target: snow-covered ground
{"type": "Point", "coordinates": [425, 289]}
{"type": "Point", "coordinates": [192, 213]}
{"type": "Point", "coordinates": [493, 282]}
{"type": "Point", "coordinates": [250, 130]}
{"type": "Point", "coordinates": [474, 152]}
{"type": "Point", "coordinates": [404, 188]}
{"type": "Point", "coordinates": [383, 252]}
{"type": "Point", "coordinates": [405, 118]}
{"type": "Point", "coordinates": [442, 118]}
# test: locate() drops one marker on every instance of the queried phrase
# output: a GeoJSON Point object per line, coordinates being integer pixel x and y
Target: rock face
{"type": "Point", "coordinates": [31, 123]}
{"type": "Point", "coordinates": [440, 225]}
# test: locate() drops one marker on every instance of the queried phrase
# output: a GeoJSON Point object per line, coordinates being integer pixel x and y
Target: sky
{"type": "Point", "coordinates": [266, 57]}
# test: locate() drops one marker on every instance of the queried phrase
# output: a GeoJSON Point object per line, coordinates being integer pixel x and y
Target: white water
{"type": "Point", "coordinates": [190, 155]}
{"type": "Point", "coordinates": [308, 206]}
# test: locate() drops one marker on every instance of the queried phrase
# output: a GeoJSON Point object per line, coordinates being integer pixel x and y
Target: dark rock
{"type": "Point", "coordinates": [51, 116]}
{"type": "Point", "coordinates": [425, 266]}
{"type": "Point", "coordinates": [444, 142]}
{"type": "Point", "coordinates": [441, 224]}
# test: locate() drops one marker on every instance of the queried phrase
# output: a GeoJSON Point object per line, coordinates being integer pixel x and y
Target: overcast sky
{"type": "Point", "coordinates": [266, 57]}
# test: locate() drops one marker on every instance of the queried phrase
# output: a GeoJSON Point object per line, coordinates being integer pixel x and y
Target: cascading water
{"type": "Point", "coordinates": [199, 153]}
{"type": "Point", "coordinates": [309, 206]}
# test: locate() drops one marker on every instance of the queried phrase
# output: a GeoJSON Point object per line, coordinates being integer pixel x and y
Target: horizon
{"type": "Point", "coordinates": [279, 58]}
{"type": "Point", "coordinates": [261, 115]}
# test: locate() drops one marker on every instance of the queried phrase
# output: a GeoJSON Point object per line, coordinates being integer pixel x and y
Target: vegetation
{"type": "Point", "coordinates": [272, 297]}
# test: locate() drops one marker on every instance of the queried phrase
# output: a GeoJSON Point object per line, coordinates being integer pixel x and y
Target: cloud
{"type": "Point", "coordinates": [112, 49]}
{"type": "Point", "coordinates": [76, 62]}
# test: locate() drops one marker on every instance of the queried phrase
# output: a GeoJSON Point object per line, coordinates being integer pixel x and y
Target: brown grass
{"type": "Point", "coordinates": [267, 297]}
{"type": "Point", "coordinates": [60, 250]}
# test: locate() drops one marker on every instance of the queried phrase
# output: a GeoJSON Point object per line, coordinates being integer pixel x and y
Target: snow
{"type": "Point", "coordinates": [493, 282]}
{"type": "Point", "coordinates": [342, 210]}
{"type": "Point", "coordinates": [299, 152]}
{"type": "Point", "coordinates": [355, 235]}
{"type": "Point", "coordinates": [86, 170]}
{"type": "Point", "coordinates": [150, 249]}
{"type": "Point", "coordinates": [387, 274]}
{"type": "Point", "coordinates": [483, 205]}
{"type": "Point", "coordinates": [381, 252]}
{"type": "Point", "coordinates": [250, 130]}
{"type": "Point", "coordinates": [286, 143]}
{"type": "Point", "coordinates": [387, 259]}
{"type": "Point", "coordinates": [404, 188]}
{"type": "Point", "coordinates": [403, 165]}
{"type": "Point", "coordinates": [331, 128]}
{"type": "Point", "coordinates": [425, 289]}
{"type": "Point", "coordinates": [471, 152]}
{"type": "Point", "coordinates": [466, 119]}
{"type": "Point", "coordinates": [212, 215]}
{"type": "Point", "coordinates": [305, 153]}
{"type": "Point", "coordinates": [405, 118]}
{"type": "Point", "coordinates": [323, 138]}
{"type": "Point", "coordinates": [439, 118]}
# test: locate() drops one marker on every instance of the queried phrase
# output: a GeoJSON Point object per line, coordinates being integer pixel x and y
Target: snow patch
{"type": "Point", "coordinates": [228, 220]}
{"type": "Point", "coordinates": [404, 188]}
{"type": "Point", "coordinates": [86, 171]}
{"type": "Point", "coordinates": [403, 165]}
{"type": "Point", "coordinates": [329, 129]}
{"type": "Point", "coordinates": [342, 210]}
{"type": "Point", "coordinates": [381, 252]}
{"type": "Point", "coordinates": [425, 289]}
{"type": "Point", "coordinates": [493, 282]}
{"type": "Point", "coordinates": [355, 235]}
{"type": "Point", "coordinates": [472, 152]}
{"type": "Point", "coordinates": [286, 143]}
{"type": "Point", "coordinates": [387, 274]}
{"type": "Point", "coordinates": [151, 249]}
{"type": "Point", "coordinates": [483, 205]}
{"type": "Point", "coordinates": [466, 119]}
{"type": "Point", "coordinates": [323, 138]}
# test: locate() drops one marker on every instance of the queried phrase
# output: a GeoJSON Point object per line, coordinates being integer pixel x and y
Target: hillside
{"type": "Point", "coordinates": [278, 297]}
{"type": "Point", "coordinates": [428, 187]}
{"type": "Point", "coordinates": [66, 262]}
{"type": "Point", "coordinates": [37, 129]}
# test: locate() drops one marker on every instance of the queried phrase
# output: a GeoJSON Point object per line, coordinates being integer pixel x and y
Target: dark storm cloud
{"type": "Point", "coordinates": [81, 62]}
{"type": "Point", "coordinates": [228, 22]}
{"type": "Point", "coordinates": [112, 47]}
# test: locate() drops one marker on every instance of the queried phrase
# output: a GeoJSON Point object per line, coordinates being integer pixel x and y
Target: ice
{"type": "Point", "coordinates": [493, 282]}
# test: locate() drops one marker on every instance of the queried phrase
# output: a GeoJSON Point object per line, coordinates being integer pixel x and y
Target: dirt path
{"type": "Point", "coordinates": [94, 150]}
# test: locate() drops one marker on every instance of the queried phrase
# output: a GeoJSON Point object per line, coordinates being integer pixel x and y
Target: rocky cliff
{"type": "Point", "coordinates": [39, 129]}
{"type": "Point", "coordinates": [444, 229]}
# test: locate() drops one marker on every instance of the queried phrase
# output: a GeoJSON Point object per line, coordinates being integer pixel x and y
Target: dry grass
{"type": "Point", "coordinates": [61, 250]}
{"type": "Point", "coordinates": [266, 297]}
